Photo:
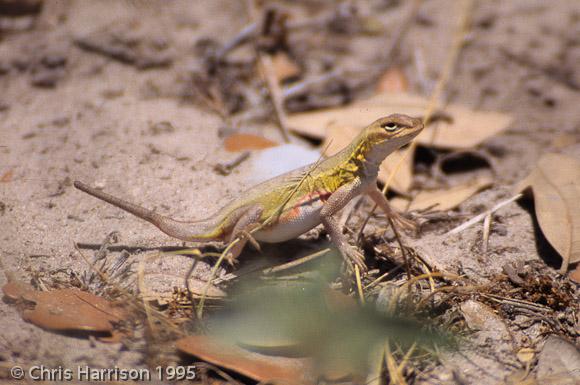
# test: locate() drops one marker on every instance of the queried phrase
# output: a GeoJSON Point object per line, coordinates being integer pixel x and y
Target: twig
{"type": "Point", "coordinates": [420, 68]}
{"type": "Point", "coordinates": [379, 279]}
{"type": "Point", "coordinates": [247, 33]}
{"type": "Point", "coordinates": [359, 287]}
{"type": "Point", "coordinates": [141, 286]}
{"type": "Point", "coordinates": [486, 231]}
{"type": "Point", "coordinates": [482, 216]}
{"type": "Point", "coordinates": [296, 262]}
{"type": "Point", "coordinates": [275, 92]}
{"type": "Point", "coordinates": [226, 168]}
{"type": "Point", "coordinates": [306, 84]}
{"type": "Point", "coordinates": [395, 41]}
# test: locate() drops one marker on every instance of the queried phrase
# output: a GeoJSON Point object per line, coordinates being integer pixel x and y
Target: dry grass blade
{"type": "Point", "coordinates": [555, 184]}
{"type": "Point", "coordinates": [481, 217]}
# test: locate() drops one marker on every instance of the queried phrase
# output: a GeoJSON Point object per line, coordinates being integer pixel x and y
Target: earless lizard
{"type": "Point", "coordinates": [289, 205]}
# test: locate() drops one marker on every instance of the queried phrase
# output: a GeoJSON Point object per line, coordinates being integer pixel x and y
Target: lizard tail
{"type": "Point", "coordinates": [192, 231]}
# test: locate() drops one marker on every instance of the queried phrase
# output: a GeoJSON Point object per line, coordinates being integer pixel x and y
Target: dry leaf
{"type": "Point", "coordinates": [284, 67]}
{"type": "Point", "coordinates": [555, 183]}
{"type": "Point", "coordinates": [259, 367]}
{"type": "Point", "coordinates": [66, 309]}
{"type": "Point", "coordinates": [449, 198]}
{"type": "Point", "coordinates": [466, 128]}
{"type": "Point", "coordinates": [393, 80]}
{"type": "Point", "coordinates": [564, 140]}
{"type": "Point", "coordinates": [575, 274]}
{"type": "Point", "coordinates": [7, 176]}
{"type": "Point", "coordinates": [244, 142]}
{"type": "Point", "coordinates": [339, 136]}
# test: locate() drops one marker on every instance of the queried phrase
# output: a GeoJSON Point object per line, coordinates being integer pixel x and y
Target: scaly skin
{"type": "Point", "coordinates": [295, 202]}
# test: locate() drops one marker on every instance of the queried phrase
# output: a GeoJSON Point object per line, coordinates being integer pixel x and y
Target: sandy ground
{"type": "Point", "coordinates": [97, 124]}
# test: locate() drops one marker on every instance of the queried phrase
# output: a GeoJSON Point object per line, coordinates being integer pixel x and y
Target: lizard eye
{"type": "Point", "coordinates": [390, 126]}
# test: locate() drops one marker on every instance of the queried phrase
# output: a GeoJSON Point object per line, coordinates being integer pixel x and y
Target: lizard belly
{"type": "Point", "coordinates": [301, 218]}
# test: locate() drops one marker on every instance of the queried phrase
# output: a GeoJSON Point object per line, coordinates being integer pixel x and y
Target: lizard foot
{"type": "Point", "coordinates": [353, 257]}
{"type": "Point", "coordinates": [231, 259]}
{"type": "Point", "coordinates": [407, 225]}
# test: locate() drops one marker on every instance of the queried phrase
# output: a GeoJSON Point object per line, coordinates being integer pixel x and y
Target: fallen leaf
{"type": "Point", "coordinates": [448, 198]}
{"type": "Point", "coordinates": [564, 140]}
{"type": "Point", "coordinates": [464, 129]}
{"type": "Point", "coordinates": [284, 67]}
{"type": "Point", "coordinates": [339, 136]}
{"type": "Point", "coordinates": [66, 309]}
{"type": "Point", "coordinates": [555, 183]}
{"type": "Point", "coordinates": [7, 176]}
{"type": "Point", "coordinates": [259, 367]}
{"type": "Point", "coordinates": [393, 80]}
{"type": "Point", "coordinates": [244, 142]}
{"type": "Point", "coordinates": [575, 274]}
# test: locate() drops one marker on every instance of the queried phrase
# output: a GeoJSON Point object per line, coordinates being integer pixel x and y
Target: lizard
{"type": "Point", "coordinates": [288, 205]}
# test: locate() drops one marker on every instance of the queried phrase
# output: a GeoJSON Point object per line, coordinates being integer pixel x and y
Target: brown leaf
{"type": "Point", "coordinates": [575, 274]}
{"type": "Point", "coordinates": [464, 129]}
{"type": "Point", "coordinates": [448, 198]}
{"type": "Point", "coordinates": [393, 80]}
{"type": "Point", "coordinates": [339, 136]}
{"type": "Point", "coordinates": [66, 309]}
{"type": "Point", "coordinates": [555, 183]}
{"type": "Point", "coordinates": [259, 367]}
{"type": "Point", "coordinates": [244, 142]}
{"type": "Point", "coordinates": [7, 176]}
{"type": "Point", "coordinates": [284, 67]}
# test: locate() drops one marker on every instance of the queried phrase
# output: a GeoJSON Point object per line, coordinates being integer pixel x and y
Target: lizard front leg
{"type": "Point", "coordinates": [335, 203]}
{"type": "Point", "coordinates": [245, 223]}
{"type": "Point", "coordinates": [379, 198]}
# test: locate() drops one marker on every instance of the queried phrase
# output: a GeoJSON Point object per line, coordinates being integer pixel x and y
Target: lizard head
{"type": "Point", "coordinates": [395, 128]}
{"type": "Point", "coordinates": [387, 134]}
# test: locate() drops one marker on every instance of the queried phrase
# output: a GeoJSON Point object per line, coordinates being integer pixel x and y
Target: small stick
{"type": "Point", "coordinates": [247, 33]}
{"type": "Point", "coordinates": [482, 216]}
{"type": "Point", "coordinates": [359, 287]}
{"type": "Point", "coordinates": [486, 230]}
{"type": "Point", "coordinates": [379, 279]}
{"type": "Point", "coordinates": [297, 262]}
{"type": "Point", "coordinates": [226, 168]}
{"type": "Point", "coordinates": [275, 92]}
{"type": "Point", "coordinates": [306, 84]}
{"type": "Point", "coordinates": [402, 28]}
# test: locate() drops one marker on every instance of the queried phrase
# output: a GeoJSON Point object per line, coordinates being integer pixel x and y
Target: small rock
{"type": "Point", "coordinates": [559, 357]}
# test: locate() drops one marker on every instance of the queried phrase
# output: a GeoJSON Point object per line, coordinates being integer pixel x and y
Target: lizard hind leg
{"type": "Point", "coordinates": [381, 201]}
{"type": "Point", "coordinates": [246, 222]}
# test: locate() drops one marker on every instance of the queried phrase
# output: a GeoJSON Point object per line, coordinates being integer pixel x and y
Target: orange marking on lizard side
{"type": "Point", "coordinates": [308, 199]}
